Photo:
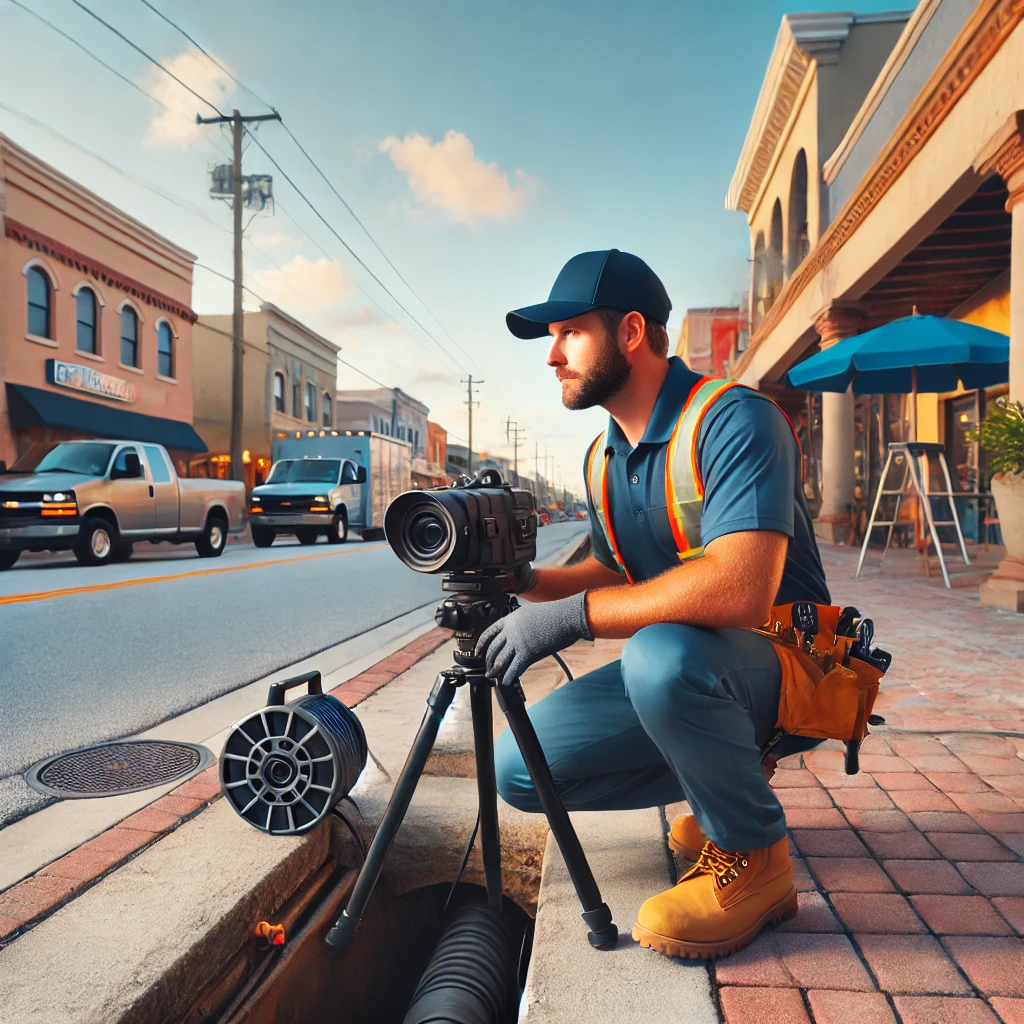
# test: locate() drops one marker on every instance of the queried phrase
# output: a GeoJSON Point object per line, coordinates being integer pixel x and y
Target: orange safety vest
{"type": "Point", "coordinates": [684, 486]}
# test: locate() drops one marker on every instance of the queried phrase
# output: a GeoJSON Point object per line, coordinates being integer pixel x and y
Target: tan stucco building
{"type": "Point", "coordinates": [95, 319]}
{"type": "Point", "coordinates": [289, 381]}
{"type": "Point", "coordinates": [913, 198]}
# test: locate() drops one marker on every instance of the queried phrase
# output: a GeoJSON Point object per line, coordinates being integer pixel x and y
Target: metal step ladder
{"type": "Point", "coordinates": [908, 454]}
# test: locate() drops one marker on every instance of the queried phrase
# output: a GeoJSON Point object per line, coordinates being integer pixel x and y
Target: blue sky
{"type": "Point", "coordinates": [482, 144]}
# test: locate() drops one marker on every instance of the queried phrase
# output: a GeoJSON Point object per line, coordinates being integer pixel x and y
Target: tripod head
{"type": "Point", "coordinates": [475, 601]}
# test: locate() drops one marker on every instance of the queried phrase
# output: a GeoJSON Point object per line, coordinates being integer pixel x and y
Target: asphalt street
{"type": "Point", "coordinates": [91, 654]}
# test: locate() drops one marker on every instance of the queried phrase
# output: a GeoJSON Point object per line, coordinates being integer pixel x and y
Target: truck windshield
{"type": "Point", "coordinates": [87, 459]}
{"type": "Point", "coordinates": [305, 471]}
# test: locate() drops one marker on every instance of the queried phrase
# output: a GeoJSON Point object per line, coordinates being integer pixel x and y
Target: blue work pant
{"type": "Point", "coordinates": [683, 715]}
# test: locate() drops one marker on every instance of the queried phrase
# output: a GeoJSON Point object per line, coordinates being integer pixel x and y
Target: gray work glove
{"type": "Point", "coordinates": [532, 632]}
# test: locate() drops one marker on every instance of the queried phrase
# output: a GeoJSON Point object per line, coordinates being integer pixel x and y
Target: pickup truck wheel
{"type": "Point", "coordinates": [8, 558]}
{"type": "Point", "coordinates": [214, 537]}
{"type": "Point", "coordinates": [123, 551]}
{"type": "Point", "coordinates": [97, 539]}
{"type": "Point", "coordinates": [262, 537]}
{"type": "Point", "coordinates": [337, 532]}
{"type": "Point", "coordinates": [307, 535]}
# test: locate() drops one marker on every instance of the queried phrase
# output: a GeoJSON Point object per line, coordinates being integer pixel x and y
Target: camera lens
{"type": "Point", "coordinates": [427, 533]}
{"type": "Point", "coordinates": [421, 530]}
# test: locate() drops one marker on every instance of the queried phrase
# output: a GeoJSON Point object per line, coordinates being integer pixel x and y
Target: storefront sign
{"type": "Point", "coordinates": [85, 378]}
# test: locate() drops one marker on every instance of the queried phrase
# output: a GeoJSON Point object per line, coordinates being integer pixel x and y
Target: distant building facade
{"type": "Point", "coordinates": [290, 379]}
{"type": "Point", "coordinates": [429, 469]}
{"type": "Point", "coordinates": [388, 411]}
{"type": "Point", "coordinates": [95, 319]}
{"type": "Point", "coordinates": [709, 339]}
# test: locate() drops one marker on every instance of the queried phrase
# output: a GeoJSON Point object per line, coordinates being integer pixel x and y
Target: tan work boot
{"type": "Point", "coordinates": [685, 837]}
{"type": "Point", "coordinates": [721, 903]}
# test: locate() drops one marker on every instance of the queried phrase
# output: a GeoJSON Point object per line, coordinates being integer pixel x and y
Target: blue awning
{"type": "Point", "coordinates": [34, 407]}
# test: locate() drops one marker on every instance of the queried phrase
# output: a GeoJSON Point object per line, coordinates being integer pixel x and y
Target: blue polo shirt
{"type": "Point", "coordinates": [750, 464]}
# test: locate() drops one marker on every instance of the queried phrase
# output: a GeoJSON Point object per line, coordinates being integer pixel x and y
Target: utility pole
{"type": "Point", "coordinates": [238, 123]}
{"type": "Point", "coordinates": [536, 465]}
{"type": "Point", "coordinates": [514, 433]}
{"type": "Point", "coordinates": [471, 405]}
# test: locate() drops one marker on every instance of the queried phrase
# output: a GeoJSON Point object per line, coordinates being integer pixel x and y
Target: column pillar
{"type": "Point", "coordinates": [835, 322]}
{"type": "Point", "coordinates": [1004, 155]}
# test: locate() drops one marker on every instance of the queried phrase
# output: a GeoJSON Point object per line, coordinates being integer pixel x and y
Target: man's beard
{"type": "Point", "coordinates": [602, 381]}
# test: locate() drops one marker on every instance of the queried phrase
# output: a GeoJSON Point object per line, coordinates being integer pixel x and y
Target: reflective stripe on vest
{"type": "Point", "coordinates": [684, 487]}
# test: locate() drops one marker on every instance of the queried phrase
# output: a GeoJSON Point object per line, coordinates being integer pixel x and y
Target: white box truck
{"type": "Point", "coordinates": [329, 481]}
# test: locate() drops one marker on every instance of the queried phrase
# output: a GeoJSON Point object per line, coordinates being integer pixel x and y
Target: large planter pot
{"type": "Point", "coordinates": [1005, 587]}
{"type": "Point", "coordinates": [1008, 492]}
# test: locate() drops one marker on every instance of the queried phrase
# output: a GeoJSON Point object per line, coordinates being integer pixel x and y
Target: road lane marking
{"type": "Point", "coordinates": [46, 595]}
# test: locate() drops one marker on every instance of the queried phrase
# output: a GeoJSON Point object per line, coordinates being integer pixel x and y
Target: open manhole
{"type": "Point", "coordinates": [108, 769]}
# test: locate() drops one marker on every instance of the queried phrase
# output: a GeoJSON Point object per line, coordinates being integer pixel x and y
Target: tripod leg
{"type": "Point", "coordinates": [603, 934]}
{"type": "Point", "coordinates": [483, 743]}
{"type": "Point", "coordinates": [341, 935]}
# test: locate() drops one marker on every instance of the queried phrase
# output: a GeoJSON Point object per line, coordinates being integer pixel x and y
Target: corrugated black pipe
{"type": "Point", "coordinates": [471, 976]}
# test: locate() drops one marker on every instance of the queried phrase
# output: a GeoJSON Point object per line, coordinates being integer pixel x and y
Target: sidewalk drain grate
{"type": "Point", "coordinates": [108, 769]}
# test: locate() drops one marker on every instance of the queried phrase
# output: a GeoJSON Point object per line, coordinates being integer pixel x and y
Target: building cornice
{"type": "Point", "coordinates": [918, 22]}
{"type": "Point", "coordinates": [15, 158]}
{"type": "Point", "coordinates": [298, 325]}
{"type": "Point", "coordinates": [55, 250]}
{"type": "Point", "coordinates": [978, 42]}
{"type": "Point", "coordinates": [804, 40]}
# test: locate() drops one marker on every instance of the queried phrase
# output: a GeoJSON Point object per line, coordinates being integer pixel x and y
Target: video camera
{"type": "Point", "coordinates": [483, 524]}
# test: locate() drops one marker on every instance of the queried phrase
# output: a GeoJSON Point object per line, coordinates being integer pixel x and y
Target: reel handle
{"type": "Point", "coordinates": [275, 696]}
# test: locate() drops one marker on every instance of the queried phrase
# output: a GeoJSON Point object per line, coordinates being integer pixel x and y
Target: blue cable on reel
{"type": "Point", "coordinates": [285, 767]}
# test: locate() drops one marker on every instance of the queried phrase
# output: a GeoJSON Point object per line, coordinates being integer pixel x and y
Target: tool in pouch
{"type": "Point", "coordinates": [830, 673]}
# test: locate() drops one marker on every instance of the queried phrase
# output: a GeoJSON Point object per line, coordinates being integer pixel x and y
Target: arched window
{"type": "Point", "coordinates": [164, 349]}
{"type": "Point", "coordinates": [85, 321]}
{"type": "Point", "coordinates": [757, 281]}
{"type": "Point", "coordinates": [325, 409]}
{"type": "Point", "coordinates": [774, 257]}
{"type": "Point", "coordinates": [40, 303]}
{"type": "Point", "coordinates": [278, 391]}
{"type": "Point", "coordinates": [310, 401]}
{"type": "Point", "coordinates": [798, 243]}
{"type": "Point", "coordinates": [129, 337]}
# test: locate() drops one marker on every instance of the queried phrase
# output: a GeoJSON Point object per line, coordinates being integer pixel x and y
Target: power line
{"type": "Point", "coordinates": [99, 60]}
{"type": "Point", "coordinates": [149, 57]}
{"type": "Point", "coordinates": [183, 204]}
{"type": "Point", "coordinates": [209, 56]}
{"type": "Point", "coordinates": [302, 149]}
{"type": "Point", "coordinates": [302, 195]}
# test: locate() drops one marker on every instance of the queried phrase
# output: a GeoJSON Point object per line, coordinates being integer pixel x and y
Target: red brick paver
{"type": "Point", "coordinates": [909, 964]}
{"type": "Point", "coordinates": [993, 965]}
{"type": "Point", "coordinates": [943, 1010]}
{"type": "Point", "coordinates": [763, 1006]}
{"type": "Point", "coordinates": [846, 1007]}
{"type": "Point", "coordinates": [960, 915]}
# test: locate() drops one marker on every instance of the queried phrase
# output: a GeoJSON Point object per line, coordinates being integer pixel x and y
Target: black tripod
{"type": "Point", "coordinates": [476, 601]}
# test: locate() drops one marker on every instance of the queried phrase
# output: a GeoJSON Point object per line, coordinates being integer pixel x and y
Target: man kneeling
{"type": "Point", "coordinates": [699, 526]}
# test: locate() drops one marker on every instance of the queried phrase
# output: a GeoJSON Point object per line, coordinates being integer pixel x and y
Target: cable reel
{"type": "Point", "coordinates": [285, 767]}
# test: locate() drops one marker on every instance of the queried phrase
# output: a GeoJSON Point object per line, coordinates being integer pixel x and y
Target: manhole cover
{"type": "Point", "coordinates": [111, 768]}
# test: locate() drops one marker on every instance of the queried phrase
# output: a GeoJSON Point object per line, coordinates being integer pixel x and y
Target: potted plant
{"type": "Point", "coordinates": [1002, 436]}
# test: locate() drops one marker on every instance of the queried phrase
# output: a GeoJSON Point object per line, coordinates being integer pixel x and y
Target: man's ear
{"type": "Point", "coordinates": [632, 332]}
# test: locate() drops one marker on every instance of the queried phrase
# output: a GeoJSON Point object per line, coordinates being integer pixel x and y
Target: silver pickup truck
{"type": "Point", "coordinates": [97, 498]}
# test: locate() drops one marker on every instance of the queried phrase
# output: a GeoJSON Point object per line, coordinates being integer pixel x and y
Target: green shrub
{"type": "Point", "coordinates": [1002, 436]}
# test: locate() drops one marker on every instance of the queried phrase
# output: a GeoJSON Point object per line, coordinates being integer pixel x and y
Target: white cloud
{"type": "Point", "coordinates": [278, 239]}
{"type": "Point", "coordinates": [314, 285]}
{"type": "Point", "coordinates": [175, 128]}
{"type": "Point", "coordinates": [447, 175]}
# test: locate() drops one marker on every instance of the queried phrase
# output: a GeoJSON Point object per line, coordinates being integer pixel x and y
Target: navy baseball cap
{"type": "Point", "coordinates": [594, 280]}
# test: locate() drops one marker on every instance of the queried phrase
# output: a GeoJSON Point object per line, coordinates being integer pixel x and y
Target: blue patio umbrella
{"type": "Point", "coordinates": [883, 360]}
{"type": "Point", "coordinates": [929, 354]}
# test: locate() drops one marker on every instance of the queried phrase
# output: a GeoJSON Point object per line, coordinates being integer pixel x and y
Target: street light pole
{"type": "Point", "coordinates": [238, 123]}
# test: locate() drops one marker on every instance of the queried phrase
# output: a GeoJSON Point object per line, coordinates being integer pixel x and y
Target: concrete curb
{"type": "Point", "coordinates": [41, 894]}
